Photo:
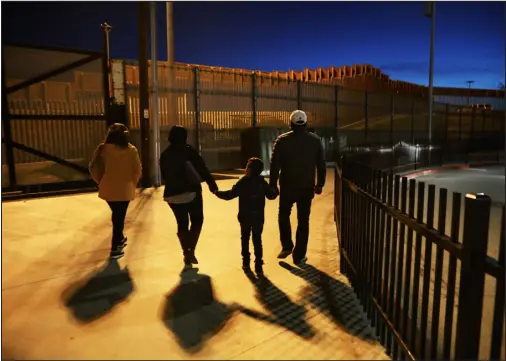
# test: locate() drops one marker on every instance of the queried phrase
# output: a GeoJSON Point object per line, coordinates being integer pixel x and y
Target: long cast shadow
{"type": "Point", "coordinates": [96, 296]}
{"type": "Point", "coordinates": [335, 299]}
{"type": "Point", "coordinates": [192, 312]}
{"type": "Point", "coordinates": [282, 311]}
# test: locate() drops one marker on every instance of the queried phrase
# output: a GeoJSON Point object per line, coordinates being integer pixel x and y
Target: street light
{"type": "Point", "coordinates": [430, 12]}
{"type": "Point", "coordinates": [469, 83]}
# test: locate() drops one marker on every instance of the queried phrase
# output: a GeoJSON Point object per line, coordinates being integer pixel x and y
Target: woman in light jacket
{"type": "Point", "coordinates": [116, 168]}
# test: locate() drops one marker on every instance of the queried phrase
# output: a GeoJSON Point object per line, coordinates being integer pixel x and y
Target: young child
{"type": "Point", "coordinates": [252, 190]}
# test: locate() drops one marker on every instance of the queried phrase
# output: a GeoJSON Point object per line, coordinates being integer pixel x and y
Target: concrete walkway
{"type": "Point", "coordinates": [62, 299]}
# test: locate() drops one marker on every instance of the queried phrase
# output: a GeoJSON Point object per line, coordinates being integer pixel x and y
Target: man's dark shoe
{"type": "Point", "coordinates": [284, 253]}
{"type": "Point", "coordinates": [300, 262]}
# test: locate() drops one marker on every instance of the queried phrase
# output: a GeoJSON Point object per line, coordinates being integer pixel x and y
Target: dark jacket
{"type": "Point", "coordinates": [173, 170]}
{"type": "Point", "coordinates": [297, 156]}
{"type": "Point", "coordinates": [252, 191]}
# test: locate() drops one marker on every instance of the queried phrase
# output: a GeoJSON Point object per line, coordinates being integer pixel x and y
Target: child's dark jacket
{"type": "Point", "coordinates": [252, 191]}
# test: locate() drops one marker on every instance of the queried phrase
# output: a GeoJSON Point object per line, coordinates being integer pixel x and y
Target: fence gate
{"type": "Point", "coordinates": [55, 103]}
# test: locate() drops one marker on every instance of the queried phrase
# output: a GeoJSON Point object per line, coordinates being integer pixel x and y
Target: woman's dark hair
{"type": "Point", "coordinates": [117, 135]}
{"type": "Point", "coordinates": [178, 135]}
{"type": "Point", "coordinates": [256, 165]}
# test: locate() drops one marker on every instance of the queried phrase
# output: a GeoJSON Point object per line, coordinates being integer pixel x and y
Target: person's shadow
{"type": "Point", "coordinates": [192, 312]}
{"type": "Point", "coordinates": [282, 311]}
{"type": "Point", "coordinates": [97, 295]}
{"type": "Point", "coordinates": [335, 299]}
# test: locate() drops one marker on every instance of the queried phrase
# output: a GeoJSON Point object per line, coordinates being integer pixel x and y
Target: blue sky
{"type": "Point", "coordinates": [470, 36]}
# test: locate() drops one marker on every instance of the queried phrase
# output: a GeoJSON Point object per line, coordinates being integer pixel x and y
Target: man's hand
{"type": "Point", "coordinates": [214, 191]}
{"type": "Point", "coordinates": [318, 190]}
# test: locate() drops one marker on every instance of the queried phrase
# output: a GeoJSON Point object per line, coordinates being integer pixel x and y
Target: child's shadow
{"type": "Point", "coordinates": [192, 312]}
{"type": "Point", "coordinates": [335, 299]}
{"type": "Point", "coordinates": [283, 311]}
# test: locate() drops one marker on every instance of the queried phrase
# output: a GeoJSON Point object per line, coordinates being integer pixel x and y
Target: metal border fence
{"type": "Point", "coordinates": [422, 264]}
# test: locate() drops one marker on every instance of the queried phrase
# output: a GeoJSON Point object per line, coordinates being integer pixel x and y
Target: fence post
{"type": "Point", "coordinates": [413, 120]}
{"type": "Point", "coordinates": [144, 93]}
{"type": "Point", "coordinates": [6, 123]}
{"type": "Point", "coordinates": [392, 117]}
{"type": "Point", "coordinates": [366, 117]}
{"type": "Point", "coordinates": [197, 107]}
{"type": "Point", "coordinates": [336, 122]}
{"type": "Point", "coordinates": [447, 116]}
{"type": "Point", "coordinates": [472, 276]}
{"type": "Point", "coordinates": [254, 99]}
{"type": "Point", "coordinates": [106, 74]}
{"type": "Point", "coordinates": [473, 119]}
{"type": "Point", "coordinates": [299, 94]}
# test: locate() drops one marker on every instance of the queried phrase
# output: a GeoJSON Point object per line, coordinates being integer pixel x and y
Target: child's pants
{"type": "Point", "coordinates": [255, 228]}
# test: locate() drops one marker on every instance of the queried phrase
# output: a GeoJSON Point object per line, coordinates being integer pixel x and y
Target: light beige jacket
{"type": "Point", "coordinates": [116, 171]}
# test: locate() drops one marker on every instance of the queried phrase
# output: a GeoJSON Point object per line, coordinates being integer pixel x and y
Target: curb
{"type": "Point", "coordinates": [436, 170]}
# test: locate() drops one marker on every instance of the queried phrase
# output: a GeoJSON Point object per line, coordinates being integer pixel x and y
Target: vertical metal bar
{"type": "Point", "coordinates": [413, 121]}
{"type": "Point", "coordinates": [299, 94]}
{"type": "Point", "coordinates": [394, 261]}
{"type": "Point", "coordinates": [368, 242]}
{"type": "Point", "coordinates": [426, 273]}
{"type": "Point", "coordinates": [497, 326]}
{"type": "Point", "coordinates": [144, 92]}
{"type": "Point", "coordinates": [392, 118]}
{"type": "Point", "coordinates": [6, 123]}
{"type": "Point", "coordinates": [382, 261]}
{"type": "Point", "coordinates": [154, 98]}
{"type": "Point", "coordinates": [106, 73]}
{"type": "Point", "coordinates": [127, 99]}
{"type": "Point", "coordinates": [452, 274]}
{"type": "Point", "coordinates": [473, 119]}
{"type": "Point", "coordinates": [438, 275]}
{"type": "Point", "coordinates": [472, 276]}
{"type": "Point", "coordinates": [447, 125]}
{"type": "Point", "coordinates": [254, 118]}
{"type": "Point", "coordinates": [377, 246]}
{"type": "Point", "coordinates": [400, 281]}
{"type": "Point", "coordinates": [197, 107]}
{"type": "Point", "coordinates": [366, 117]}
{"type": "Point", "coordinates": [460, 123]}
{"type": "Point", "coordinates": [388, 180]}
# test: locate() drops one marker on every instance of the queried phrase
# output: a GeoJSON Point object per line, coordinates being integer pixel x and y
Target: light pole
{"type": "Point", "coordinates": [469, 83]}
{"type": "Point", "coordinates": [154, 97]}
{"type": "Point", "coordinates": [430, 12]}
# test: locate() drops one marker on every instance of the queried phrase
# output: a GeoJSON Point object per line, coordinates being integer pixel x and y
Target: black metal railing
{"type": "Point", "coordinates": [420, 265]}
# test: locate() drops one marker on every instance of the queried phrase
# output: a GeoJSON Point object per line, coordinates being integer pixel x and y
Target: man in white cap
{"type": "Point", "coordinates": [297, 159]}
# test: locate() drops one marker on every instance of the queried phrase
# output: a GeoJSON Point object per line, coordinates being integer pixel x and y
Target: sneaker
{"type": "Point", "coordinates": [123, 243]}
{"type": "Point", "coordinates": [118, 253]}
{"type": "Point", "coordinates": [300, 262]}
{"type": "Point", "coordinates": [284, 253]}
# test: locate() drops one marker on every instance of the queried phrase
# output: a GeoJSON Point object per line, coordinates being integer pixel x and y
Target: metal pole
{"type": "Point", "coordinates": [106, 68]}
{"type": "Point", "coordinates": [172, 103]}
{"type": "Point", "coordinates": [469, 83]}
{"type": "Point", "coordinates": [7, 131]}
{"type": "Point", "coordinates": [143, 14]}
{"type": "Point", "coordinates": [431, 68]}
{"type": "Point", "coordinates": [154, 98]}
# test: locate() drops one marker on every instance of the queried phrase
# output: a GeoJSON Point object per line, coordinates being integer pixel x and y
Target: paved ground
{"type": "Point", "coordinates": [62, 300]}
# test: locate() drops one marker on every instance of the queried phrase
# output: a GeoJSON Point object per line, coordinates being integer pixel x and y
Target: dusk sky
{"type": "Point", "coordinates": [394, 36]}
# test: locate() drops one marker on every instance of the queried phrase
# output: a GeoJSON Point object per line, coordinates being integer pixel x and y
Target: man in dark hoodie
{"type": "Point", "coordinates": [182, 170]}
{"type": "Point", "coordinates": [297, 157]}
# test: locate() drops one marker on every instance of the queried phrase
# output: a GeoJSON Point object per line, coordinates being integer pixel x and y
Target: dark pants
{"type": "Point", "coordinates": [255, 229]}
{"type": "Point", "coordinates": [189, 212]}
{"type": "Point", "coordinates": [119, 211]}
{"type": "Point", "coordinates": [303, 202]}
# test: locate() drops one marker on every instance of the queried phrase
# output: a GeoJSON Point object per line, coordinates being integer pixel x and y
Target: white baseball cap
{"type": "Point", "coordinates": [298, 117]}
